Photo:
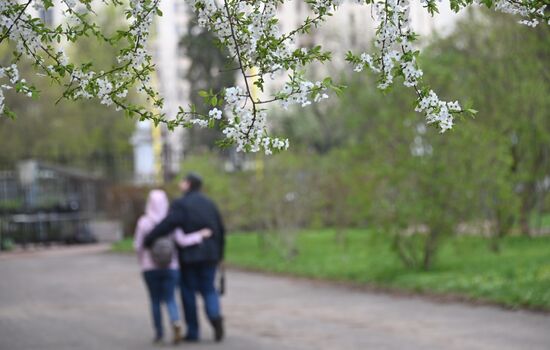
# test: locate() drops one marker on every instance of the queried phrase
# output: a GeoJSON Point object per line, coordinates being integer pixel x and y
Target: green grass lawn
{"type": "Point", "coordinates": [124, 246]}
{"type": "Point", "coordinates": [518, 276]}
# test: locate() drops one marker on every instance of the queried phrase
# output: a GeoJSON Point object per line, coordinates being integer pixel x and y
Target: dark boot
{"type": "Point", "coordinates": [217, 324]}
{"type": "Point", "coordinates": [158, 340]}
{"type": "Point", "coordinates": [176, 328]}
{"type": "Point", "coordinates": [188, 339]}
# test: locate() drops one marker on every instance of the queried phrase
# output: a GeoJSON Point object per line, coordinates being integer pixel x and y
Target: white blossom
{"type": "Point", "coordinates": [215, 114]}
{"type": "Point", "coordinates": [251, 33]}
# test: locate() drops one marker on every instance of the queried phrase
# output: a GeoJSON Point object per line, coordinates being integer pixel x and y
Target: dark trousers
{"type": "Point", "coordinates": [198, 278]}
{"type": "Point", "coordinates": [161, 285]}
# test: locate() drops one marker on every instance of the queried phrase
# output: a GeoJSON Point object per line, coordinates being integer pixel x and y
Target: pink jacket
{"type": "Point", "coordinates": [155, 210]}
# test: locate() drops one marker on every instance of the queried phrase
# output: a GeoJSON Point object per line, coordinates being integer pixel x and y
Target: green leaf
{"type": "Point", "coordinates": [9, 113]}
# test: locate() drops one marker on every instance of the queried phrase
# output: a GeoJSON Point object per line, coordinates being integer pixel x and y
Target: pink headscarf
{"type": "Point", "coordinates": [157, 206]}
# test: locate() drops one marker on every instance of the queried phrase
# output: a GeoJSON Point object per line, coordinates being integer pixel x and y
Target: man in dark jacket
{"type": "Point", "coordinates": [198, 263]}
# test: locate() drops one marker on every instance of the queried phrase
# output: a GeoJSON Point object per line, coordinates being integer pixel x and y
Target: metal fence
{"type": "Point", "coordinates": [42, 203]}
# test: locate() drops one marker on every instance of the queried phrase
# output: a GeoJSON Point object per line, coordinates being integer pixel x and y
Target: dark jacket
{"type": "Point", "coordinates": [192, 212]}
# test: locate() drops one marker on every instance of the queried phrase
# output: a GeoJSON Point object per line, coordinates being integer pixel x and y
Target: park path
{"type": "Point", "coordinates": [87, 298]}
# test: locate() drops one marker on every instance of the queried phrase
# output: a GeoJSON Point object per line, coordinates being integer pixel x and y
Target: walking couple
{"type": "Point", "coordinates": [193, 225]}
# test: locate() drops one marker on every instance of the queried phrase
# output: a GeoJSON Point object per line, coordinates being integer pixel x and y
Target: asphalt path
{"type": "Point", "coordinates": [88, 298]}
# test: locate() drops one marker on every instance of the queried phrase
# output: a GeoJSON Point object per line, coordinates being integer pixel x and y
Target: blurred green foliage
{"type": "Point", "coordinates": [367, 160]}
{"type": "Point", "coordinates": [83, 134]}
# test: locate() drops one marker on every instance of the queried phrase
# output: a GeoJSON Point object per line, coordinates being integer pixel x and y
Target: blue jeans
{"type": "Point", "coordinates": [161, 285]}
{"type": "Point", "coordinates": [198, 278]}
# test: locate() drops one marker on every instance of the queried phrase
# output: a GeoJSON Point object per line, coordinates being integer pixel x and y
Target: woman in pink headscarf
{"type": "Point", "coordinates": [161, 282]}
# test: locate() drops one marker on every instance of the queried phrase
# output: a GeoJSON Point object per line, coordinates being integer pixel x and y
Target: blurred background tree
{"type": "Point", "coordinates": [84, 134]}
{"type": "Point", "coordinates": [208, 70]}
{"type": "Point", "coordinates": [504, 70]}
{"type": "Point", "coordinates": [355, 165]}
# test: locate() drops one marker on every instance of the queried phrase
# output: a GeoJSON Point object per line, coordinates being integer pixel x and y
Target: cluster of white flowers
{"type": "Point", "coordinates": [531, 11]}
{"type": "Point", "coordinates": [235, 95]}
{"type": "Point", "coordinates": [11, 26]}
{"type": "Point", "coordinates": [84, 81]}
{"type": "Point", "coordinates": [365, 60]}
{"type": "Point", "coordinates": [319, 6]}
{"type": "Point", "coordinates": [34, 40]}
{"type": "Point", "coordinates": [438, 111]}
{"type": "Point", "coordinates": [251, 33]}
{"type": "Point", "coordinates": [133, 61]}
{"type": "Point", "coordinates": [396, 57]}
{"type": "Point", "coordinates": [215, 114]}
{"type": "Point", "coordinates": [12, 73]}
{"type": "Point", "coordinates": [301, 93]}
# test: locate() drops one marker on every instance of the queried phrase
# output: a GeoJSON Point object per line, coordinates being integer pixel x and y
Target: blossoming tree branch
{"type": "Point", "coordinates": [258, 49]}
